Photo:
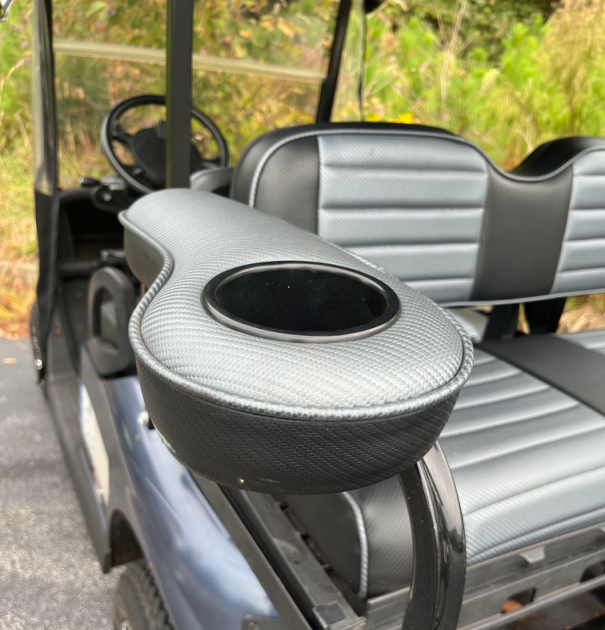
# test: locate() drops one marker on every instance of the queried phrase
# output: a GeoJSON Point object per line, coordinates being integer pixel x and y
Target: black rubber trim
{"type": "Point", "coordinates": [569, 367]}
{"type": "Point", "coordinates": [379, 324]}
{"type": "Point", "coordinates": [521, 237]}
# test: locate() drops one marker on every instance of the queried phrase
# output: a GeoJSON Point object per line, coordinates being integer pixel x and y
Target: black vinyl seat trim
{"type": "Point", "coordinates": [570, 367]}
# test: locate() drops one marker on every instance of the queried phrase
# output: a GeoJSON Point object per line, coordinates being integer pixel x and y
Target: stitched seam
{"type": "Point", "coordinates": [581, 269]}
{"type": "Point", "coordinates": [375, 208]}
{"type": "Point", "coordinates": [494, 378]}
{"type": "Point", "coordinates": [527, 448]}
{"type": "Point", "coordinates": [426, 210]}
{"type": "Point", "coordinates": [501, 399]}
{"type": "Point", "coordinates": [530, 298]}
{"type": "Point", "coordinates": [434, 280]}
{"type": "Point", "coordinates": [544, 485]}
{"type": "Point", "coordinates": [363, 543]}
{"type": "Point", "coordinates": [504, 423]}
{"type": "Point", "coordinates": [402, 246]}
{"type": "Point", "coordinates": [534, 531]}
{"type": "Point", "coordinates": [319, 182]}
{"type": "Point", "coordinates": [584, 239]}
{"type": "Point", "coordinates": [400, 167]}
{"type": "Point", "coordinates": [425, 246]}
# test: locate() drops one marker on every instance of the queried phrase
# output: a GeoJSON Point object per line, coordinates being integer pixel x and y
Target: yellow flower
{"type": "Point", "coordinates": [406, 119]}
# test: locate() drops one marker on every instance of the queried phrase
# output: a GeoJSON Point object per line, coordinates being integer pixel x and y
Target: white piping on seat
{"type": "Point", "coordinates": [363, 543]}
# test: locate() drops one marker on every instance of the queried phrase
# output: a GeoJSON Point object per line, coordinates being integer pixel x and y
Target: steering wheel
{"type": "Point", "coordinates": [148, 146]}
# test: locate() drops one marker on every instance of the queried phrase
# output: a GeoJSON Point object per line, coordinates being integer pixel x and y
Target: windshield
{"type": "Point", "coordinates": [258, 65]}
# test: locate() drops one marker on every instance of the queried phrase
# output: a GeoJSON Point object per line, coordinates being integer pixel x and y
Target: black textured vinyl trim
{"type": "Point", "coordinates": [552, 155]}
{"type": "Point", "coordinates": [569, 367]}
{"type": "Point", "coordinates": [521, 237]}
{"type": "Point", "coordinates": [293, 199]}
{"type": "Point", "coordinates": [330, 456]}
{"type": "Point", "coordinates": [340, 543]}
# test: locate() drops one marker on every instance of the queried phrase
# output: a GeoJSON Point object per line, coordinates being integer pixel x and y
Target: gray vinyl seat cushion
{"type": "Point", "coordinates": [433, 210]}
{"type": "Point", "coordinates": [528, 462]}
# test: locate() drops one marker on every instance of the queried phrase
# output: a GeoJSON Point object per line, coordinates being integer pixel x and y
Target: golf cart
{"type": "Point", "coordinates": [257, 373]}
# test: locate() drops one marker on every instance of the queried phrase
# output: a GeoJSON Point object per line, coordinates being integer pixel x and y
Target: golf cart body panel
{"type": "Point", "coordinates": [177, 529]}
{"type": "Point", "coordinates": [227, 557]}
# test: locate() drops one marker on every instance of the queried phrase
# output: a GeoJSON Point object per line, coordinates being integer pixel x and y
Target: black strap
{"type": "Point", "coordinates": [563, 364]}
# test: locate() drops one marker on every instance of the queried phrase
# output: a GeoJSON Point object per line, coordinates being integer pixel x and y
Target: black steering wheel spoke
{"type": "Point", "coordinates": [122, 136]}
{"type": "Point", "coordinates": [147, 146]}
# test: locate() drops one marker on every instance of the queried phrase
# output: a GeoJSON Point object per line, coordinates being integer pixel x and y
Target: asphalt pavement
{"type": "Point", "coordinates": [49, 575]}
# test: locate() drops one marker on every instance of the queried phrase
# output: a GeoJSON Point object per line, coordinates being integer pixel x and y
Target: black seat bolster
{"type": "Point", "coordinates": [553, 155]}
{"type": "Point", "coordinates": [369, 545]}
{"type": "Point", "coordinates": [570, 367]}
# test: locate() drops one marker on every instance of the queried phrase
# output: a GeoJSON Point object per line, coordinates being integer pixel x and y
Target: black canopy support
{"type": "Point", "coordinates": [179, 46]}
{"type": "Point", "coordinates": [46, 192]}
{"type": "Point", "coordinates": [328, 88]}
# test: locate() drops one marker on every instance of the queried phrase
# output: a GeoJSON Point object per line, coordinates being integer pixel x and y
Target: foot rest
{"type": "Point", "coordinates": [273, 361]}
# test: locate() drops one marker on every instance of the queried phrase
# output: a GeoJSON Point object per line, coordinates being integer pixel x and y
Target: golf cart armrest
{"type": "Point", "coordinates": [271, 360]}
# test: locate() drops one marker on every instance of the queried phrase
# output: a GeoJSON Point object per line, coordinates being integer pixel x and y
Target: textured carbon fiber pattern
{"type": "Point", "coordinates": [384, 387]}
{"type": "Point", "coordinates": [280, 455]}
{"type": "Point", "coordinates": [423, 358]}
{"type": "Point", "coordinates": [389, 562]}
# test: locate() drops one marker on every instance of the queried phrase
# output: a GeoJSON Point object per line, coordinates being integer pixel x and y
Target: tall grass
{"type": "Point", "coordinates": [548, 82]}
{"type": "Point", "coordinates": [17, 228]}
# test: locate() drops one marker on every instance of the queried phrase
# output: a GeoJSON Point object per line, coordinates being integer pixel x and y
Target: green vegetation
{"type": "Point", "coordinates": [546, 82]}
{"type": "Point", "coordinates": [506, 75]}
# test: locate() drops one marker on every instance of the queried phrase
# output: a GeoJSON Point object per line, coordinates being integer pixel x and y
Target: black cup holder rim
{"type": "Point", "coordinates": [377, 325]}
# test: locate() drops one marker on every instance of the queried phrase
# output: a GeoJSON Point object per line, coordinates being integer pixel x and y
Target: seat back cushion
{"type": "Point", "coordinates": [433, 209]}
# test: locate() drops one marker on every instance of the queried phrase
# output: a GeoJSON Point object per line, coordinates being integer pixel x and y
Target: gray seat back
{"type": "Point", "coordinates": [435, 211]}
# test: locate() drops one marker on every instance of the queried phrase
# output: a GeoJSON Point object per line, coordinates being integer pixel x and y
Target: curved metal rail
{"type": "Point", "coordinates": [439, 569]}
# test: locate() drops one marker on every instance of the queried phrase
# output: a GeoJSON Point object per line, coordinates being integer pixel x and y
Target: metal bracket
{"type": "Point", "coordinates": [534, 556]}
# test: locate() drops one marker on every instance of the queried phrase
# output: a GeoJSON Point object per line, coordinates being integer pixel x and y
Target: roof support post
{"type": "Point", "coordinates": [179, 48]}
{"type": "Point", "coordinates": [328, 88]}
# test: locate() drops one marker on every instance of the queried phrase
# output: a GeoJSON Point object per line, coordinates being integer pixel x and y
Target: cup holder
{"type": "Point", "coordinates": [301, 302]}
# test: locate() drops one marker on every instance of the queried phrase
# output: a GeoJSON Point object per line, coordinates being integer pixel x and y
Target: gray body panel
{"type": "Point", "coordinates": [203, 577]}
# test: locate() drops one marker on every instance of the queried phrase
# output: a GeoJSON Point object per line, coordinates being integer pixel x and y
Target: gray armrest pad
{"type": "Point", "coordinates": [209, 370]}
